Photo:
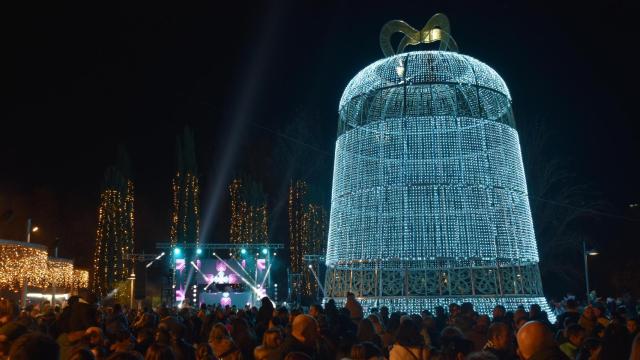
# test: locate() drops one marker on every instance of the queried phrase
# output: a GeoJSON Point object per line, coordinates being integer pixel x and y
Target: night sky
{"type": "Point", "coordinates": [254, 78]}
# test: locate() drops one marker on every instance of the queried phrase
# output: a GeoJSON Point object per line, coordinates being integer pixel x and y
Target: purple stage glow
{"type": "Point", "coordinates": [180, 295]}
{"type": "Point", "coordinates": [180, 264]}
{"type": "Point", "coordinates": [221, 266]}
{"type": "Point", "coordinates": [233, 279]}
{"type": "Point", "coordinates": [226, 300]}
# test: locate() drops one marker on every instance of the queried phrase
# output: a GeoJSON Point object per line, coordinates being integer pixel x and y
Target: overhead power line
{"type": "Point", "coordinates": [596, 212]}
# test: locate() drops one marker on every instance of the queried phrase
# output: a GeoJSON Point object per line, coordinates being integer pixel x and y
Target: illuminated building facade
{"type": "Point", "coordinates": [429, 199]}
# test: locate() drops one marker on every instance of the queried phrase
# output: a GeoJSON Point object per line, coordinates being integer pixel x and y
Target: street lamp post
{"type": "Point", "coordinates": [586, 253]}
{"type": "Point", "coordinates": [30, 229]}
{"type": "Point", "coordinates": [133, 279]}
{"type": "Point", "coordinates": [53, 283]}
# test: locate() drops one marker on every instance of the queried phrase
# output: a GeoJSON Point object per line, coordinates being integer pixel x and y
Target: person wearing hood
{"type": "Point", "coordinates": [264, 316]}
{"type": "Point", "coordinates": [304, 338]}
{"type": "Point", "coordinates": [222, 344]}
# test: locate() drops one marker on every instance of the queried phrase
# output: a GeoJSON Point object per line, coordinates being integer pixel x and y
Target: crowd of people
{"type": "Point", "coordinates": [83, 329]}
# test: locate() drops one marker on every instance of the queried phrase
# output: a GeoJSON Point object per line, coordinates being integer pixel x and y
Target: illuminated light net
{"type": "Point", "coordinates": [80, 279]}
{"type": "Point", "coordinates": [61, 273]}
{"type": "Point", "coordinates": [429, 201]}
{"type": "Point", "coordinates": [22, 263]}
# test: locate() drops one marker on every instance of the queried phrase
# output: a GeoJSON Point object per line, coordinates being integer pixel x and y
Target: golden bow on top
{"type": "Point", "coordinates": [436, 29]}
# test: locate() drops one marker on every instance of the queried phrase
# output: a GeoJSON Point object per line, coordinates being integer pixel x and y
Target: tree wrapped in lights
{"type": "Point", "coordinates": [185, 187]}
{"type": "Point", "coordinates": [115, 231]}
{"type": "Point", "coordinates": [297, 233]}
{"type": "Point", "coordinates": [307, 234]}
{"type": "Point", "coordinates": [429, 199]}
{"type": "Point", "coordinates": [249, 215]}
{"type": "Point", "coordinates": [22, 264]}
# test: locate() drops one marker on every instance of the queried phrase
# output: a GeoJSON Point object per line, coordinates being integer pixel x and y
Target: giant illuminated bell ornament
{"type": "Point", "coordinates": [429, 202]}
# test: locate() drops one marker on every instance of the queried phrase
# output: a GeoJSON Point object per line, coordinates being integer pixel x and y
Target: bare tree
{"type": "Point", "coordinates": [563, 207]}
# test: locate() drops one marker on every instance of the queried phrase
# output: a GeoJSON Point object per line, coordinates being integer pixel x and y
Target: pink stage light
{"type": "Point", "coordinates": [180, 264]}
{"type": "Point", "coordinates": [261, 264]}
{"type": "Point", "coordinates": [221, 278]}
{"type": "Point", "coordinates": [226, 300]}
{"type": "Point", "coordinates": [233, 279]}
{"type": "Point", "coordinates": [209, 278]}
{"type": "Point", "coordinates": [180, 294]}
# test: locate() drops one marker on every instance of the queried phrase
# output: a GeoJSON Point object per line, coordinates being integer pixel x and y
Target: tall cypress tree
{"type": "Point", "coordinates": [308, 226]}
{"type": "Point", "coordinates": [249, 214]}
{"type": "Point", "coordinates": [185, 187]}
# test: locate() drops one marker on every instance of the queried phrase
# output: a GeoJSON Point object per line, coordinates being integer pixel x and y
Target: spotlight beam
{"type": "Point", "coordinates": [200, 272]}
{"type": "Point", "coordinates": [253, 287]}
{"type": "Point", "coordinates": [241, 111]}
{"type": "Point", "coordinates": [203, 276]}
{"type": "Point", "coordinates": [187, 285]}
{"type": "Point", "coordinates": [317, 280]}
{"type": "Point", "coordinates": [243, 269]}
{"type": "Point", "coordinates": [266, 274]}
{"type": "Point", "coordinates": [154, 260]}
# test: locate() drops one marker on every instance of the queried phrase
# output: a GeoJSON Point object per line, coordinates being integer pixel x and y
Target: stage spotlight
{"type": "Point", "coordinates": [198, 251]}
{"type": "Point", "coordinates": [243, 251]}
{"type": "Point", "coordinates": [177, 251]}
{"type": "Point", "coordinates": [265, 251]}
{"type": "Point", "coordinates": [310, 266]}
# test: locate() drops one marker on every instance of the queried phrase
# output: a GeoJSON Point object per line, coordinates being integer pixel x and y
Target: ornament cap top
{"type": "Point", "coordinates": [436, 29]}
